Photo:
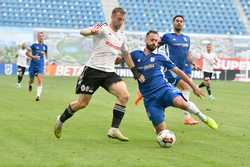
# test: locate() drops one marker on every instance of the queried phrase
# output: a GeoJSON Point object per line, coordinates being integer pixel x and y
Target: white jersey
{"type": "Point", "coordinates": [22, 58]}
{"type": "Point", "coordinates": [107, 46]}
{"type": "Point", "coordinates": [209, 59]}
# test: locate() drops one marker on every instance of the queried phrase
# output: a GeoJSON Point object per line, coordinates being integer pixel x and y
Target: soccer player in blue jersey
{"type": "Point", "coordinates": [157, 92]}
{"type": "Point", "coordinates": [177, 47]}
{"type": "Point", "coordinates": [37, 52]}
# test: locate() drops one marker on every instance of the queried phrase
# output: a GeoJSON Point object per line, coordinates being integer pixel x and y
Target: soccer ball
{"type": "Point", "coordinates": [166, 138]}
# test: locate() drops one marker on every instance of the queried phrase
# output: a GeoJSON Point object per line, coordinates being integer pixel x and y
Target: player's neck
{"type": "Point", "coordinates": [147, 52]}
{"type": "Point", "coordinates": [112, 27]}
{"type": "Point", "coordinates": [177, 32]}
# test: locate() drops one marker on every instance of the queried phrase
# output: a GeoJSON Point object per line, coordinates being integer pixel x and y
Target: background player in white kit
{"type": "Point", "coordinates": [109, 43]}
{"type": "Point", "coordinates": [22, 63]}
{"type": "Point", "coordinates": [209, 60]}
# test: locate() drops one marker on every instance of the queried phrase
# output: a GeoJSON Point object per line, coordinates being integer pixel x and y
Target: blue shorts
{"type": "Point", "coordinates": [174, 79]}
{"type": "Point", "coordinates": [157, 102]}
{"type": "Point", "coordinates": [34, 71]}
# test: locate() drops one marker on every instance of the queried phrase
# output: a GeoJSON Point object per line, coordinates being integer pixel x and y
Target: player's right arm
{"type": "Point", "coordinates": [29, 54]}
{"type": "Point", "coordinates": [197, 91]}
{"type": "Point", "coordinates": [91, 30]}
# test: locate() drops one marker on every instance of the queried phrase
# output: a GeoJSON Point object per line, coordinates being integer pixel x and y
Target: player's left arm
{"type": "Point", "coordinates": [129, 61]}
{"type": "Point", "coordinates": [46, 55]}
{"type": "Point", "coordinates": [187, 79]}
{"type": "Point", "coordinates": [191, 60]}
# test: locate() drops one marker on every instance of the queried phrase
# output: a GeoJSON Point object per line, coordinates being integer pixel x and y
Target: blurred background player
{"type": "Point", "coordinates": [209, 60]}
{"type": "Point", "coordinates": [22, 63]}
{"type": "Point", "coordinates": [37, 52]}
{"type": "Point", "coordinates": [177, 46]}
{"type": "Point", "coordinates": [157, 92]}
{"type": "Point", "coordinates": [99, 70]}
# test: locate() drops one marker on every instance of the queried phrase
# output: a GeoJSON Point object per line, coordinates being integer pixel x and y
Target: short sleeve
{"type": "Point", "coordinates": [166, 62]}
{"type": "Point", "coordinates": [164, 39]}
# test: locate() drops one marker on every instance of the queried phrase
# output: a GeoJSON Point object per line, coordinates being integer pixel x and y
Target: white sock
{"type": "Point", "coordinates": [186, 94]}
{"type": "Point", "coordinates": [192, 108]}
{"type": "Point", "coordinates": [39, 91]}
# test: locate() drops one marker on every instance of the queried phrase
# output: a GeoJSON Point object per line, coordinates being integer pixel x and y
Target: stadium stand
{"type": "Point", "coordinates": [246, 7]}
{"type": "Point", "coordinates": [207, 16]}
{"type": "Point", "coordinates": [51, 13]}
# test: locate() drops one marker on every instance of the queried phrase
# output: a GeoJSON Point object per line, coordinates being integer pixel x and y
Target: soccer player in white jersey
{"type": "Point", "coordinates": [209, 60]}
{"type": "Point", "coordinates": [99, 70]}
{"type": "Point", "coordinates": [22, 63]}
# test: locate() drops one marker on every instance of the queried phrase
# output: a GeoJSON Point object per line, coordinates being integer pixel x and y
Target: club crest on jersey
{"type": "Point", "coordinates": [185, 39]}
{"type": "Point", "coordinates": [152, 59]}
{"type": "Point", "coordinates": [138, 60]}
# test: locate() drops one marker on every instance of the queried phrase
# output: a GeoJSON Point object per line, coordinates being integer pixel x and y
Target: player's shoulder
{"type": "Point", "coordinates": [137, 52]}
{"type": "Point", "coordinates": [186, 36]}
{"type": "Point", "coordinates": [166, 35]}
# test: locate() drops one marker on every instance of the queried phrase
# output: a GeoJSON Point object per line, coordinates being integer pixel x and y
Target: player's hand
{"type": "Point", "coordinates": [96, 29]}
{"type": "Point", "coordinates": [141, 79]}
{"type": "Point", "coordinates": [138, 76]}
{"type": "Point", "coordinates": [36, 57]}
{"type": "Point", "coordinates": [118, 60]}
{"type": "Point", "coordinates": [198, 92]}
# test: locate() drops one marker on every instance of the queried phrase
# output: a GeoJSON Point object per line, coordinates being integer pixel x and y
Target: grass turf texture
{"type": "Point", "coordinates": [27, 140]}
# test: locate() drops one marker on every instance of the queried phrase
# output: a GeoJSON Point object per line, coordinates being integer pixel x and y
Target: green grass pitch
{"type": "Point", "coordinates": [27, 140]}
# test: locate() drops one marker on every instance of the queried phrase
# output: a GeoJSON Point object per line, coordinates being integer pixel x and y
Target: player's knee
{"type": "Point", "coordinates": [179, 102]}
{"type": "Point", "coordinates": [123, 98]}
{"type": "Point", "coordinates": [82, 104]}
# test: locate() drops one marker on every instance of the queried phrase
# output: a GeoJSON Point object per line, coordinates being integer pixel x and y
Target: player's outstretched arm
{"type": "Point", "coordinates": [91, 31]}
{"type": "Point", "coordinates": [197, 91]}
{"type": "Point", "coordinates": [131, 66]}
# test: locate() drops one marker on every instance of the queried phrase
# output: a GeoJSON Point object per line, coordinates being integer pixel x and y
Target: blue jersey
{"type": "Point", "coordinates": [177, 48]}
{"type": "Point", "coordinates": [38, 50]}
{"type": "Point", "coordinates": [152, 66]}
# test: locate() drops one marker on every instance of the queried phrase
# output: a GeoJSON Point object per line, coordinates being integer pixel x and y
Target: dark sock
{"type": "Point", "coordinates": [118, 113]}
{"type": "Point", "coordinates": [208, 90]}
{"type": "Point", "coordinates": [201, 85]}
{"type": "Point", "coordinates": [19, 79]}
{"type": "Point", "coordinates": [68, 112]}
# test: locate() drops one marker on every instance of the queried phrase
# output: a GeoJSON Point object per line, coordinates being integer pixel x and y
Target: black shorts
{"type": "Point", "coordinates": [207, 75]}
{"type": "Point", "coordinates": [90, 80]}
{"type": "Point", "coordinates": [20, 70]}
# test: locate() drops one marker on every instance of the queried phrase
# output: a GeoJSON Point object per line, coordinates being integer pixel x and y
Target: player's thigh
{"type": "Point", "coordinates": [115, 85]}
{"type": "Point", "coordinates": [119, 89]}
{"type": "Point", "coordinates": [182, 85]}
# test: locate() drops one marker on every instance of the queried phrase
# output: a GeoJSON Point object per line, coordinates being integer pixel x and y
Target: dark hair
{"type": "Point", "coordinates": [118, 10]}
{"type": "Point", "coordinates": [151, 32]}
{"type": "Point", "coordinates": [178, 16]}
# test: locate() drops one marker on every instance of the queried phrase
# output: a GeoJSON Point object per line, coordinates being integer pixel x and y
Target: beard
{"type": "Point", "coordinates": [177, 29]}
{"type": "Point", "coordinates": [151, 47]}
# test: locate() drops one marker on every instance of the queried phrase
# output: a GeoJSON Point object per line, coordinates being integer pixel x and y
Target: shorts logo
{"type": "Point", "coordinates": [86, 89]}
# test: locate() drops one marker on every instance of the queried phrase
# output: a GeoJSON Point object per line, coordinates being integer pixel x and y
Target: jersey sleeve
{"type": "Point", "coordinates": [100, 27]}
{"type": "Point", "coordinates": [46, 49]}
{"type": "Point", "coordinates": [166, 62]}
{"type": "Point", "coordinates": [164, 39]}
{"type": "Point", "coordinates": [189, 43]}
